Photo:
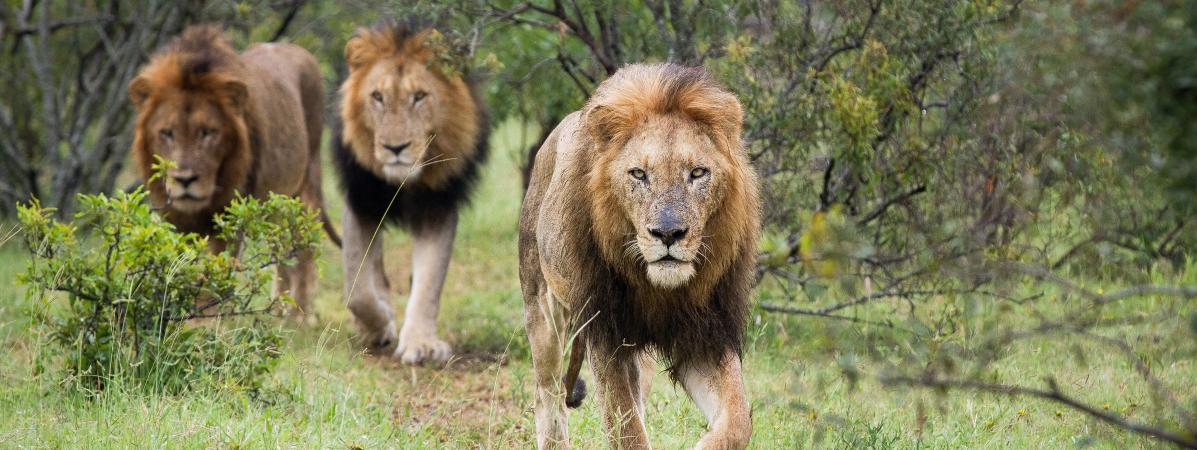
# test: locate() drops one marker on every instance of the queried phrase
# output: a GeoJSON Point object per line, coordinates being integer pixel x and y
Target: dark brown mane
{"type": "Point", "coordinates": [402, 30]}
{"type": "Point", "coordinates": [201, 53]}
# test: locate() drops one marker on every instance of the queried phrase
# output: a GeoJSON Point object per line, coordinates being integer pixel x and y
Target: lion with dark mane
{"type": "Point", "coordinates": [413, 136]}
{"type": "Point", "coordinates": [638, 235]}
{"type": "Point", "coordinates": [231, 123]}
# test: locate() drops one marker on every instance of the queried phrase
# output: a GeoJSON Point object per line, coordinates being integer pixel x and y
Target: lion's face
{"type": "Point", "coordinates": [667, 180]}
{"type": "Point", "coordinates": [195, 133]}
{"type": "Point", "coordinates": [403, 107]}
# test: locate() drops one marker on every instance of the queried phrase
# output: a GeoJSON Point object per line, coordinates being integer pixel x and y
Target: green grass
{"type": "Point", "coordinates": [324, 394]}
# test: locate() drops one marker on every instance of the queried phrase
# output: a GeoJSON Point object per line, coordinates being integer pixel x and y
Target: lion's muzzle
{"type": "Point", "coordinates": [400, 160]}
{"type": "Point", "coordinates": [187, 191]}
{"type": "Point", "coordinates": [667, 242]}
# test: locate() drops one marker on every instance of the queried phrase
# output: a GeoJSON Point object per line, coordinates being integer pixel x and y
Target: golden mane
{"type": "Point", "coordinates": [389, 43]}
{"type": "Point", "coordinates": [199, 64]}
{"type": "Point", "coordinates": [617, 111]}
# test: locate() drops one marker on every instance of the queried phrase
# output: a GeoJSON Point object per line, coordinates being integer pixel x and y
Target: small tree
{"type": "Point", "coordinates": [131, 289]}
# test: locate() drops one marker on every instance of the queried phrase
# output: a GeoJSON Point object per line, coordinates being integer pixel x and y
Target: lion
{"type": "Point", "coordinates": [231, 123]}
{"type": "Point", "coordinates": [638, 235]}
{"type": "Point", "coordinates": [412, 138]}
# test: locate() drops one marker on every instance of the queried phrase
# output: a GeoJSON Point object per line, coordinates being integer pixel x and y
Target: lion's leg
{"type": "Point", "coordinates": [431, 249]}
{"type": "Point", "coordinates": [298, 281]}
{"type": "Point", "coordinates": [648, 367]}
{"type": "Point", "coordinates": [303, 286]}
{"type": "Point", "coordinates": [365, 286]}
{"type": "Point", "coordinates": [618, 386]}
{"type": "Point", "coordinates": [719, 392]}
{"type": "Point", "coordinates": [282, 281]}
{"type": "Point", "coordinates": [545, 323]}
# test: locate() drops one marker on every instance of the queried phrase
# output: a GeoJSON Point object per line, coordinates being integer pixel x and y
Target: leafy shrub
{"type": "Point", "coordinates": [134, 288]}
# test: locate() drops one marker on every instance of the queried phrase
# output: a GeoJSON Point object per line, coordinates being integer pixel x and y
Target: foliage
{"type": "Point", "coordinates": [1144, 92]}
{"type": "Point", "coordinates": [132, 290]}
{"type": "Point", "coordinates": [1107, 84]}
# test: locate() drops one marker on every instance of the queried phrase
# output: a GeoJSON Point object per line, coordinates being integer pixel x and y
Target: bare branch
{"type": "Point", "coordinates": [296, 5]}
{"type": "Point", "coordinates": [1053, 393]}
{"type": "Point", "coordinates": [1102, 299]}
{"type": "Point", "coordinates": [826, 311]}
{"type": "Point", "coordinates": [56, 25]}
{"type": "Point", "coordinates": [881, 208]}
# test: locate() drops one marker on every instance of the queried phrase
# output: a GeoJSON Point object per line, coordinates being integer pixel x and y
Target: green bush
{"type": "Point", "coordinates": [133, 291]}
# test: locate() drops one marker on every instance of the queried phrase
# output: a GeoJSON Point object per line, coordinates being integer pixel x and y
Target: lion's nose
{"type": "Point", "coordinates": [186, 180]}
{"type": "Point", "coordinates": [397, 149]}
{"type": "Point", "coordinates": [668, 236]}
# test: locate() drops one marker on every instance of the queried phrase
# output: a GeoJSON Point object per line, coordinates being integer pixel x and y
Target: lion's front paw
{"type": "Point", "coordinates": [378, 342]}
{"type": "Point", "coordinates": [422, 349]}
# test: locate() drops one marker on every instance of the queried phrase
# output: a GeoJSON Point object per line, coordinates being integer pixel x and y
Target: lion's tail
{"type": "Point", "coordinates": [574, 386]}
{"type": "Point", "coordinates": [328, 228]}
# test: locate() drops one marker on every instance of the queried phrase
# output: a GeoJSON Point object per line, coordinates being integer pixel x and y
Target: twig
{"type": "Point", "coordinates": [880, 209]}
{"type": "Point", "coordinates": [1075, 250]}
{"type": "Point", "coordinates": [60, 24]}
{"type": "Point", "coordinates": [825, 312]}
{"type": "Point", "coordinates": [282, 28]}
{"type": "Point", "coordinates": [1103, 299]}
{"type": "Point", "coordinates": [1145, 371]}
{"type": "Point", "coordinates": [806, 312]}
{"type": "Point", "coordinates": [1052, 393]}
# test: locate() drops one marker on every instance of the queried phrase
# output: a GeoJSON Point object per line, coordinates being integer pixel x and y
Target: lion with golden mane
{"type": "Point", "coordinates": [231, 123]}
{"type": "Point", "coordinates": [412, 140]}
{"type": "Point", "coordinates": [638, 235]}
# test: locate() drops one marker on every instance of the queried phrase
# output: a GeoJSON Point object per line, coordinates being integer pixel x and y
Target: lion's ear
{"type": "Point", "coordinates": [235, 93]}
{"type": "Point", "coordinates": [733, 121]}
{"type": "Point", "coordinates": [358, 51]}
{"type": "Point", "coordinates": [429, 46]}
{"type": "Point", "coordinates": [721, 112]}
{"type": "Point", "coordinates": [601, 124]}
{"type": "Point", "coordinates": [140, 91]}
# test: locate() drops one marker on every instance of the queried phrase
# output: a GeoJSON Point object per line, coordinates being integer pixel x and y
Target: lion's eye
{"type": "Point", "coordinates": [638, 174]}
{"type": "Point", "coordinates": [417, 96]}
{"type": "Point", "coordinates": [699, 172]}
{"type": "Point", "coordinates": [377, 96]}
{"type": "Point", "coordinates": [207, 132]}
{"type": "Point", "coordinates": [166, 134]}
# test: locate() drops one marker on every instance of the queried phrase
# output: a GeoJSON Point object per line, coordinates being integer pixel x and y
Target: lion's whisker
{"type": "Point", "coordinates": [702, 255]}
{"type": "Point", "coordinates": [630, 249]}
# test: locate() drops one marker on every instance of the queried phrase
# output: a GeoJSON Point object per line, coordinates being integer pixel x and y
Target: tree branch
{"type": "Point", "coordinates": [56, 25]}
{"type": "Point", "coordinates": [826, 311]}
{"type": "Point", "coordinates": [880, 209]}
{"type": "Point", "coordinates": [1053, 393]}
{"type": "Point", "coordinates": [282, 28]}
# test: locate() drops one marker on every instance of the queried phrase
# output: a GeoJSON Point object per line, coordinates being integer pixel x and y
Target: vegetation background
{"type": "Point", "coordinates": [980, 221]}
